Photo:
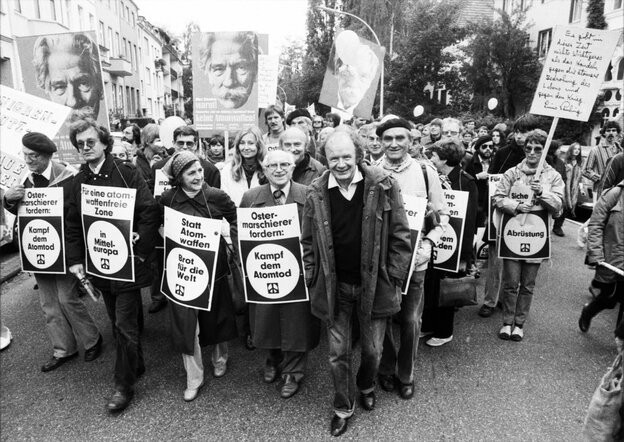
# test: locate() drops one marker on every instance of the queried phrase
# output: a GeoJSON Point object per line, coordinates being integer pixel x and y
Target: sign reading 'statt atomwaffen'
{"type": "Point", "coordinates": [191, 247]}
{"type": "Point", "coordinates": [107, 214]}
{"type": "Point", "coordinates": [40, 219]}
{"type": "Point", "coordinates": [268, 239]}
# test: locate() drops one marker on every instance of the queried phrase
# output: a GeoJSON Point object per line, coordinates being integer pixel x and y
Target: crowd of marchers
{"type": "Point", "coordinates": [347, 180]}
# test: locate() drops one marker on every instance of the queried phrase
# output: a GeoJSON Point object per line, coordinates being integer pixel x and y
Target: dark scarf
{"type": "Point", "coordinates": [249, 170]}
{"type": "Point", "coordinates": [214, 159]}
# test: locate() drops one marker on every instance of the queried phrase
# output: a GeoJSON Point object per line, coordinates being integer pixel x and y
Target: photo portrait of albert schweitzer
{"type": "Point", "coordinates": [67, 68]}
{"type": "Point", "coordinates": [230, 61]}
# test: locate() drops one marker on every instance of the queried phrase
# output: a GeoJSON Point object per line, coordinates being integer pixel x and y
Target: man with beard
{"type": "Point", "coordinates": [478, 167]}
{"type": "Point", "coordinates": [67, 68]}
{"type": "Point", "coordinates": [601, 154]}
{"type": "Point", "coordinates": [230, 60]}
{"type": "Point", "coordinates": [274, 118]}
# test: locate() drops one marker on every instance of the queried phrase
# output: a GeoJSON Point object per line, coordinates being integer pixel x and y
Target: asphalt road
{"type": "Point", "coordinates": [477, 387]}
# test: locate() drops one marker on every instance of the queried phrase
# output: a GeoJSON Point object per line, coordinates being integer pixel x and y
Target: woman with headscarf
{"type": "Point", "coordinates": [192, 329]}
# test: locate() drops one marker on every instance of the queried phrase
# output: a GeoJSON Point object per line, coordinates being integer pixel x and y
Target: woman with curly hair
{"type": "Point", "coordinates": [573, 170]}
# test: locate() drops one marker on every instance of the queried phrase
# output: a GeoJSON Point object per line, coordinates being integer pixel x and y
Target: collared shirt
{"type": "Point", "coordinates": [350, 190]}
{"type": "Point", "coordinates": [485, 164]}
{"type": "Point", "coordinates": [47, 174]}
{"type": "Point", "coordinates": [285, 190]}
{"type": "Point", "coordinates": [597, 161]}
{"type": "Point", "coordinates": [378, 162]}
{"type": "Point", "coordinates": [97, 168]}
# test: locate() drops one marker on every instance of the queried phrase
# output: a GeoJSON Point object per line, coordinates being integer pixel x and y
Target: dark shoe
{"type": "Point", "coordinates": [249, 343]}
{"type": "Point", "coordinates": [558, 231]}
{"type": "Point", "coordinates": [386, 382]}
{"type": "Point", "coordinates": [338, 425]}
{"type": "Point", "coordinates": [270, 373]}
{"type": "Point", "coordinates": [55, 362]}
{"type": "Point", "coordinates": [407, 391]}
{"type": "Point", "coordinates": [157, 306]}
{"type": "Point", "coordinates": [140, 371]}
{"type": "Point", "coordinates": [505, 332]}
{"type": "Point", "coordinates": [585, 319]}
{"type": "Point", "coordinates": [486, 311]}
{"type": "Point", "coordinates": [290, 387]}
{"type": "Point", "coordinates": [367, 401]}
{"type": "Point", "coordinates": [119, 400]}
{"type": "Point", "coordinates": [95, 351]}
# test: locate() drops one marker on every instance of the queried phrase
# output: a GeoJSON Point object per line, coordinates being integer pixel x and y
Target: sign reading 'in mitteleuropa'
{"type": "Point", "coordinates": [107, 214]}
{"type": "Point", "coordinates": [40, 218]}
{"type": "Point", "coordinates": [271, 255]}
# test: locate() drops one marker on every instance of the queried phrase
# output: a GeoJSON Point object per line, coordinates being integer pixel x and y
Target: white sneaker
{"type": "Point", "coordinates": [437, 342]}
{"type": "Point", "coordinates": [505, 332]}
{"type": "Point", "coordinates": [517, 334]}
{"type": "Point", "coordinates": [191, 393]}
{"type": "Point", "coordinates": [5, 338]}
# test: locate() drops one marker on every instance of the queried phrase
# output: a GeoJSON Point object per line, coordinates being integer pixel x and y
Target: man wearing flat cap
{"type": "Point", "coordinates": [68, 321]}
{"type": "Point", "coordinates": [417, 179]}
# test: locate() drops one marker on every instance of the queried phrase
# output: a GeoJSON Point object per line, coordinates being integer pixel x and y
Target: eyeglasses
{"type": "Point", "coordinates": [537, 150]}
{"type": "Point", "coordinates": [31, 156]}
{"type": "Point", "coordinates": [273, 166]}
{"type": "Point", "coordinates": [91, 142]}
{"type": "Point", "coordinates": [450, 133]}
{"type": "Point", "coordinates": [187, 144]}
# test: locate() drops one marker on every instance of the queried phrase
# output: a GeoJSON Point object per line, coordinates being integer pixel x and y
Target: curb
{"type": "Point", "coordinates": [10, 275]}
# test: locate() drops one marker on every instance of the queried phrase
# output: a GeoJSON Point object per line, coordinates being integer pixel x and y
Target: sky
{"type": "Point", "coordinates": [281, 19]}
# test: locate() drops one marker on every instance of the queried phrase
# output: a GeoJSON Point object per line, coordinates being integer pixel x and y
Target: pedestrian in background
{"type": "Point", "coordinates": [573, 171]}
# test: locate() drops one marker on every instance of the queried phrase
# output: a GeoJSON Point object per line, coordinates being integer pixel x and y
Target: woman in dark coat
{"type": "Point", "coordinates": [192, 329]}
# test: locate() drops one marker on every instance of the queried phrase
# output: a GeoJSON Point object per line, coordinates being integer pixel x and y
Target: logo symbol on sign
{"type": "Point", "coordinates": [105, 263]}
{"type": "Point", "coordinates": [179, 290]}
{"type": "Point", "coordinates": [41, 259]}
{"type": "Point", "coordinates": [525, 247]}
{"type": "Point", "coordinates": [273, 288]}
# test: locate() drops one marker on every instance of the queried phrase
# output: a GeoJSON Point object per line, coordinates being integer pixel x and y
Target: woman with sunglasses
{"type": "Point", "coordinates": [519, 274]}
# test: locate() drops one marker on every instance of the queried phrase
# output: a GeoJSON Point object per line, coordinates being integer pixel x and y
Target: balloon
{"type": "Point", "coordinates": [166, 130]}
{"type": "Point", "coordinates": [419, 110]}
{"type": "Point", "coordinates": [347, 44]}
{"type": "Point", "coordinates": [492, 103]}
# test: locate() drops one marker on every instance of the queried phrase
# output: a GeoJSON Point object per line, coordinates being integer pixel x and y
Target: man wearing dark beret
{"type": "Point", "coordinates": [302, 119]}
{"type": "Point", "coordinates": [68, 321]}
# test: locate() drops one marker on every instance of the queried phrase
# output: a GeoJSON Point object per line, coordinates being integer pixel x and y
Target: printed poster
{"type": "Point", "coordinates": [415, 208]}
{"type": "Point", "coordinates": [107, 215]}
{"type": "Point", "coordinates": [191, 250]}
{"type": "Point", "coordinates": [492, 183]}
{"type": "Point", "coordinates": [161, 183]}
{"type": "Point", "coordinates": [525, 236]}
{"type": "Point", "coordinates": [271, 254]}
{"type": "Point", "coordinates": [41, 230]}
{"type": "Point", "coordinates": [446, 254]}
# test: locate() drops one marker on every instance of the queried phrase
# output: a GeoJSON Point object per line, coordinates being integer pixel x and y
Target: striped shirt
{"type": "Point", "coordinates": [597, 161]}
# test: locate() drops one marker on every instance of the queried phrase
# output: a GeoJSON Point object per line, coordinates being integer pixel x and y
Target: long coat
{"type": "Point", "coordinates": [386, 247]}
{"type": "Point", "coordinates": [291, 326]}
{"type": "Point", "coordinates": [605, 238]}
{"type": "Point", "coordinates": [219, 324]}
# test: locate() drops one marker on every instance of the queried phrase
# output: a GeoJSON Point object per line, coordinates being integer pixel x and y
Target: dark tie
{"type": "Point", "coordinates": [277, 196]}
{"type": "Point", "coordinates": [40, 180]}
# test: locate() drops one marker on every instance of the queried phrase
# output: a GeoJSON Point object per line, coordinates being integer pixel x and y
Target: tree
{"type": "Point", "coordinates": [595, 14]}
{"type": "Point", "coordinates": [290, 76]}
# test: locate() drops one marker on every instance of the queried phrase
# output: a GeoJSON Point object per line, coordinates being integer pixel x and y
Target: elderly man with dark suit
{"type": "Point", "coordinates": [288, 331]}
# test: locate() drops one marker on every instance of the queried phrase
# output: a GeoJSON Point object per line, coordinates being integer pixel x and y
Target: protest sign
{"type": "Point", "coordinates": [77, 84]}
{"type": "Point", "coordinates": [161, 182]}
{"type": "Point", "coordinates": [492, 183]}
{"type": "Point", "coordinates": [225, 86]}
{"type": "Point", "coordinates": [191, 250]}
{"type": "Point", "coordinates": [13, 171]}
{"type": "Point", "coordinates": [352, 75]}
{"type": "Point", "coordinates": [573, 72]}
{"type": "Point", "coordinates": [446, 252]}
{"type": "Point", "coordinates": [41, 232]}
{"type": "Point", "coordinates": [271, 254]}
{"type": "Point", "coordinates": [268, 68]}
{"type": "Point", "coordinates": [107, 214]}
{"type": "Point", "coordinates": [524, 236]}
{"type": "Point", "coordinates": [415, 208]}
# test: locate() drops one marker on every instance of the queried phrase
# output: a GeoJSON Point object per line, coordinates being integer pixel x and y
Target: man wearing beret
{"type": "Point", "coordinates": [302, 119]}
{"type": "Point", "coordinates": [421, 180]}
{"type": "Point", "coordinates": [307, 169]}
{"type": "Point", "coordinates": [67, 319]}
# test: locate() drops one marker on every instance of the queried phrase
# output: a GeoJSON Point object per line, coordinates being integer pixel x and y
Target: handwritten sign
{"type": "Point", "coordinates": [271, 255]}
{"type": "Point", "coordinates": [446, 253]}
{"type": "Point", "coordinates": [191, 248]}
{"type": "Point", "coordinates": [107, 214]}
{"type": "Point", "coordinates": [40, 220]}
{"type": "Point", "coordinates": [415, 208]}
{"type": "Point", "coordinates": [573, 72]}
{"type": "Point", "coordinates": [268, 67]}
{"type": "Point", "coordinates": [13, 170]}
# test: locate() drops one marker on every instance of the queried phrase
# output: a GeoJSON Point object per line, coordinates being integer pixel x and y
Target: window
{"type": "Point", "coordinates": [91, 22]}
{"type": "Point", "coordinates": [128, 14]}
{"type": "Point", "coordinates": [617, 4]}
{"type": "Point", "coordinates": [133, 20]}
{"type": "Point", "coordinates": [53, 10]}
{"type": "Point", "coordinates": [609, 74]}
{"type": "Point", "coordinates": [37, 9]}
{"type": "Point", "coordinates": [136, 59]}
{"type": "Point", "coordinates": [18, 6]}
{"type": "Point", "coordinates": [125, 49]}
{"type": "Point", "coordinates": [67, 9]}
{"type": "Point", "coordinates": [576, 8]}
{"type": "Point", "coordinates": [110, 39]}
{"type": "Point", "coordinates": [142, 88]}
{"type": "Point", "coordinates": [148, 76]}
{"type": "Point", "coordinates": [140, 55]}
{"type": "Point", "coordinates": [620, 71]}
{"type": "Point", "coordinates": [101, 33]}
{"type": "Point", "coordinates": [117, 45]}
{"type": "Point", "coordinates": [80, 22]}
{"type": "Point", "coordinates": [543, 42]}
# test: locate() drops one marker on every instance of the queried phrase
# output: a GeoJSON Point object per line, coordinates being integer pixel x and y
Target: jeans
{"type": "Point", "coordinates": [292, 362]}
{"type": "Point", "coordinates": [493, 287]}
{"type": "Point", "coordinates": [409, 322]}
{"type": "Point", "coordinates": [123, 311]}
{"type": "Point", "coordinates": [67, 318]}
{"type": "Point", "coordinates": [340, 355]}
{"type": "Point", "coordinates": [194, 366]}
{"type": "Point", "coordinates": [517, 300]}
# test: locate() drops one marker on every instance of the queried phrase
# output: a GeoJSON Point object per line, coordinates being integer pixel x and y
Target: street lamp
{"type": "Point", "coordinates": [381, 79]}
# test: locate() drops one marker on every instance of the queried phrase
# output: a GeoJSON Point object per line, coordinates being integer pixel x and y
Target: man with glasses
{"type": "Point", "coordinates": [294, 140]}
{"type": "Point", "coordinates": [600, 155]}
{"type": "Point", "coordinates": [372, 145]}
{"type": "Point", "coordinates": [287, 331]}
{"type": "Point", "coordinates": [451, 128]}
{"type": "Point", "coordinates": [68, 321]}
{"type": "Point", "coordinates": [122, 299]}
{"type": "Point", "coordinates": [478, 167]}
